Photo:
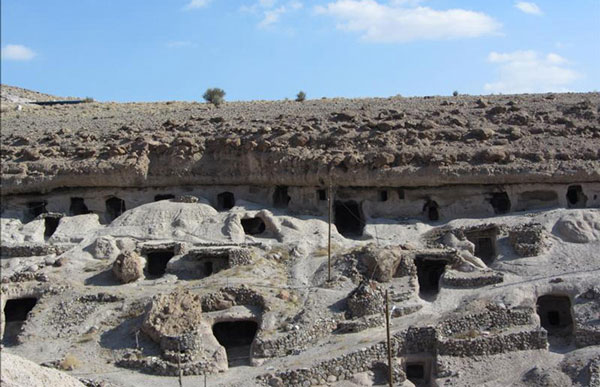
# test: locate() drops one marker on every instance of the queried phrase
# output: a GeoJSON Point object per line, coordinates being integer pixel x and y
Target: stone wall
{"type": "Point", "coordinates": [528, 240]}
{"type": "Point", "coordinates": [33, 249]}
{"type": "Point", "coordinates": [294, 341]}
{"type": "Point", "coordinates": [429, 340]}
{"type": "Point", "coordinates": [494, 317]}
{"type": "Point", "coordinates": [493, 344]}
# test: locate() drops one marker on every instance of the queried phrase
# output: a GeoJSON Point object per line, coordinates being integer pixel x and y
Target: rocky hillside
{"type": "Point", "coordinates": [366, 142]}
{"type": "Point", "coordinates": [13, 94]}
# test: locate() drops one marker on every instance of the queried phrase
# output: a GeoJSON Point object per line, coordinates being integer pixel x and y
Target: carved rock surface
{"type": "Point", "coordinates": [582, 227]}
{"type": "Point", "coordinates": [19, 372]}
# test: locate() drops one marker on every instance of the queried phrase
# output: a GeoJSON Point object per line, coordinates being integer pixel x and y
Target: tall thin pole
{"type": "Point", "coordinates": [329, 234]}
{"type": "Point", "coordinates": [389, 341]}
{"type": "Point", "coordinates": [179, 364]}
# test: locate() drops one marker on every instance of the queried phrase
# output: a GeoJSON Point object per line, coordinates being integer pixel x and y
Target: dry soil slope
{"type": "Point", "coordinates": [362, 142]}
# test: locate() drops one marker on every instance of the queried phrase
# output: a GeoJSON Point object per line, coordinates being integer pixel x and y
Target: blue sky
{"type": "Point", "coordinates": [148, 50]}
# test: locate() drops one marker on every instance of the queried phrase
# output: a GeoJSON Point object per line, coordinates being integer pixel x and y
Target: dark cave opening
{"type": "Point", "coordinates": [157, 262]}
{"type": "Point", "coordinates": [485, 249]}
{"type": "Point", "coordinates": [429, 272]}
{"type": "Point", "coordinates": [208, 268]}
{"type": "Point", "coordinates": [500, 202]}
{"type": "Point", "coordinates": [50, 225]}
{"type": "Point", "coordinates": [322, 194]}
{"type": "Point", "coordinates": [36, 208]}
{"type": "Point", "coordinates": [555, 314]}
{"type": "Point", "coordinates": [253, 226]}
{"type": "Point", "coordinates": [432, 209]}
{"type": "Point", "coordinates": [382, 195]}
{"type": "Point", "coordinates": [575, 197]}
{"type": "Point", "coordinates": [237, 337]}
{"type": "Point", "coordinates": [114, 208]}
{"type": "Point", "coordinates": [159, 197]}
{"type": "Point", "coordinates": [225, 201]}
{"type": "Point", "coordinates": [16, 312]}
{"type": "Point", "coordinates": [348, 218]}
{"type": "Point", "coordinates": [281, 198]}
{"type": "Point", "coordinates": [78, 207]}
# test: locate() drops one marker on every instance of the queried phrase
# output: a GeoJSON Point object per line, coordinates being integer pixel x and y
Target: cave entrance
{"type": "Point", "coordinates": [429, 272]}
{"type": "Point", "coordinates": [253, 226]}
{"type": "Point", "coordinates": [157, 261]}
{"type": "Point", "coordinates": [159, 197]}
{"type": "Point", "coordinates": [575, 197]}
{"type": "Point", "coordinates": [225, 201]}
{"type": "Point", "coordinates": [500, 203]}
{"type": "Point", "coordinates": [15, 314]}
{"type": "Point", "coordinates": [212, 264]}
{"type": "Point", "coordinates": [78, 207]}
{"type": "Point", "coordinates": [50, 225]}
{"type": "Point", "coordinates": [484, 240]}
{"type": "Point", "coordinates": [322, 194]}
{"type": "Point", "coordinates": [485, 249]}
{"type": "Point", "coordinates": [114, 208]}
{"type": "Point", "coordinates": [281, 198]}
{"type": "Point", "coordinates": [432, 210]}
{"type": "Point", "coordinates": [382, 195]}
{"type": "Point", "coordinates": [36, 208]}
{"type": "Point", "coordinates": [555, 314]}
{"type": "Point", "coordinates": [418, 372]}
{"type": "Point", "coordinates": [237, 337]}
{"type": "Point", "coordinates": [380, 374]}
{"type": "Point", "coordinates": [348, 218]}
{"type": "Point", "coordinates": [208, 268]}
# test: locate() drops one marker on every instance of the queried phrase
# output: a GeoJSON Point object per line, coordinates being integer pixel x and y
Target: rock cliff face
{"type": "Point", "coordinates": [430, 141]}
{"type": "Point", "coordinates": [145, 242]}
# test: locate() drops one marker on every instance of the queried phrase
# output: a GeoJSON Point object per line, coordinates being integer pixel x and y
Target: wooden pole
{"type": "Point", "coordinates": [179, 364]}
{"type": "Point", "coordinates": [389, 341]}
{"type": "Point", "coordinates": [329, 234]}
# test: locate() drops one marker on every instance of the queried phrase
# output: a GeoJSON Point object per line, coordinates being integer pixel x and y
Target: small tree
{"type": "Point", "coordinates": [455, 93]}
{"type": "Point", "coordinates": [214, 96]}
{"type": "Point", "coordinates": [301, 96]}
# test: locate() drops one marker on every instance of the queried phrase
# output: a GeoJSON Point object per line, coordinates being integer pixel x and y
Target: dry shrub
{"type": "Point", "coordinates": [69, 362]}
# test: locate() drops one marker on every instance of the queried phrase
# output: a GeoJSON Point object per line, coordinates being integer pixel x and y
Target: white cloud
{"type": "Point", "coordinates": [195, 4]}
{"type": "Point", "coordinates": [17, 52]}
{"type": "Point", "coordinates": [530, 8]}
{"type": "Point", "coordinates": [530, 72]}
{"type": "Point", "coordinates": [270, 14]}
{"type": "Point", "coordinates": [398, 22]}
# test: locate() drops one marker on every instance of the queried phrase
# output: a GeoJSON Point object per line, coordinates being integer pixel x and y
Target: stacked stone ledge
{"type": "Point", "coordinates": [431, 341]}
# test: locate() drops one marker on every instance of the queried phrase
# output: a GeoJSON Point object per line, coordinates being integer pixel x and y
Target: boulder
{"type": "Point", "coordinates": [380, 263]}
{"type": "Point", "coordinates": [104, 247]}
{"type": "Point", "coordinates": [173, 314]}
{"type": "Point", "coordinates": [175, 322]}
{"type": "Point", "coordinates": [128, 267]}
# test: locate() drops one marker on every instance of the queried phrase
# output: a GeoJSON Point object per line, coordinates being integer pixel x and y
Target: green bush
{"type": "Point", "coordinates": [455, 93]}
{"type": "Point", "coordinates": [301, 96]}
{"type": "Point", "coordinates": [214, 96]}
